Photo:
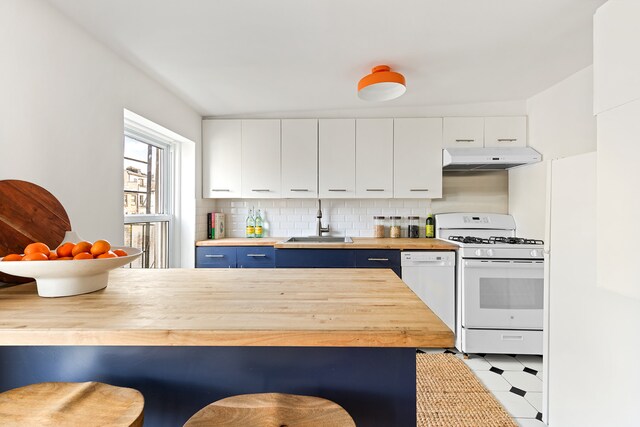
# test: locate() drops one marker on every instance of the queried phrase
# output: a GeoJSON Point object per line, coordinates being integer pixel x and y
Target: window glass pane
{"type": "Point", "coordinates": [143, 178]}
{"type": "Point", "coordinates": [153, 239]}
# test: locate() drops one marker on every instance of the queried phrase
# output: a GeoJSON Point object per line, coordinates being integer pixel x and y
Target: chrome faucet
{"type": "Point", "coordinates": [319, 228]}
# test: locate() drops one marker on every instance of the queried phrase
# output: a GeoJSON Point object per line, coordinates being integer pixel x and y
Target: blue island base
{"type": "Point", "coordinates": [377, 386]}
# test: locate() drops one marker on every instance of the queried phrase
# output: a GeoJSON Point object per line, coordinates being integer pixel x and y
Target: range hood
{"type": "Point", "coordinates": [472, 159]}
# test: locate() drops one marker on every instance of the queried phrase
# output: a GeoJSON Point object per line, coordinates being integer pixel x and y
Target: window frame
{"type": "Point", "coordinates": [167, 184]}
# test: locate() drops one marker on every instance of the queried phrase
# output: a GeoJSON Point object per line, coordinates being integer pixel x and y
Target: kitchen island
{"type": "Point", "coordinates": [185, 338]}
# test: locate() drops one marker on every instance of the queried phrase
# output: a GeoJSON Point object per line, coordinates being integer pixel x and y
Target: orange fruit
{"type": "Point", "coordinates": [100, 247]}
{"type": "Point", "coordinates": [64, 250]}
{"type": "Point", "coordinates": [35, 256]}
{"type": "Point", "coordinates": [83, 255]}
{"type": "Point", "coordinates": [53, 255]}
{"type": "Point", "coordinates": [109, 254]}
{"type": "Point", "coordinates": [81, 247]}
{"type": "Point", "coordinates": [63, 258]}
{"type": "Point", "coordinates": [37, 247]}
{"type": "Point", "coordinates": [12, 257]}
{"type": "Point", "coordinates": [120, 252]}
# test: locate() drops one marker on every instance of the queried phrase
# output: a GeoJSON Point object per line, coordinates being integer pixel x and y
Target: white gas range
{"type": "Point", "coordinates": [499, 284]}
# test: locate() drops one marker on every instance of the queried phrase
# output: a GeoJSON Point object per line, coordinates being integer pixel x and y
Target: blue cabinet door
{"type": "Point", "coordinates": [255, 257]}
{"type": "Point", "coordinates": [315, 258]}
{"type": "Point", "coordinates": [379, 258]}
{"type": "Point", "coordinates": [215, 257]}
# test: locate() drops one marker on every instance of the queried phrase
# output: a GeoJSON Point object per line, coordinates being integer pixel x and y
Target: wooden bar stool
{"type": "Point", "coordinates": [272, 410]}
{"type": "Point", "coordinates": [71, 404]}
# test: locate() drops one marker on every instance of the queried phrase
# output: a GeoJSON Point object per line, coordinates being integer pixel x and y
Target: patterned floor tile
{"type": "Point", "coordinates": [535, 399]}
{"type": "Point", "coordinates": [530, 361]}
{"type": "Point", "coordinates": [516, 405]}
{"type": "Point", "coordinates": [492, 381]}
{"type": "Point", "coordinates": [523, 381]}
{"type": "Point", "coordinates": [504, 362]}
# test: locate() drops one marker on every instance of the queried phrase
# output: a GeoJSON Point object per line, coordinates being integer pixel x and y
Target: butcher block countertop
{"type": "Point", "coordinates": [358, 243]}
{"type": "Point", "coordinates": [228, 307]}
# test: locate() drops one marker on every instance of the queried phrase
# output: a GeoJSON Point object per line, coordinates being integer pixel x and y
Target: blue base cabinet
{"type": "Point", "coordinates": [235, 257]}
{"type": "Point", "coordinates": [268, 257]}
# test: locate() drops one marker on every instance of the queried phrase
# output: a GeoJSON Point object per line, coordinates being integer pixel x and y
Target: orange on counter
{"type": "Point", "coordinates": [37, 247]}
{"type": "Point", "coordinates": [65, 249]}
{"type": "Point", "coordinates": [12, 257]}
{"type": "Point", "coordinates": [100, 247]}
{"type": "Point", "coordinates": [83, 246]}
{"type": "Point", "coordinates": [35, 256]}
{"type": "Point", "coordinates": [109, 254]}
{"type": "Point", "coordinates": [120, 252]}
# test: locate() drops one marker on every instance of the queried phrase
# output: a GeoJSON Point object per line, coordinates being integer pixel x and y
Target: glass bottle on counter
{"type": "Point", "coordinates": [395, 228]}
{"type": "Point", "coordinates": [413, 228]}
{"type": "Point", "coordinates": [251, 225]}
{"type": "Point", "coordinates": [378, 226]}
{"type": "Point", "coordinates": [258, 227]}
{"type": "Point", "coordinates": [430, 227]}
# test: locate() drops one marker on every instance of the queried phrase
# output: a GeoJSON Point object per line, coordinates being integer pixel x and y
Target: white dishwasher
{"type": "Point", "coordinates": [431, 276]}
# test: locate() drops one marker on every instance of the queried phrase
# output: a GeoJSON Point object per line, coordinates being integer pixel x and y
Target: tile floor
{"type": "Point", "coordinates": [516, 381]}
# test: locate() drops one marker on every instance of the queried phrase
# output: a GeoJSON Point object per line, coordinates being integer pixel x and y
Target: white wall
{"type": "Point", "coordinates": [561, 121]}
{"type": "Point", "coordinates": [561, 124]}
{"type": "Point", "coordinates": [61, 114]}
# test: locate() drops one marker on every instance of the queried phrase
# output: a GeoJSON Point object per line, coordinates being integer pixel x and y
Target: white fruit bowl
{"type": "Point", "coordinates": [69, 277]}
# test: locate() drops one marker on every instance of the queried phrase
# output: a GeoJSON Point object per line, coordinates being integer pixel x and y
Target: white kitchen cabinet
{"type": "Point", "coordinates": [221, 159]}
{"type": "Point", "coordinates": [337, 158]}
{"type": "Point", "coordinates": [417, 158]}
{"type": "Point", "coordinates": [261, 159]}
{"type": "Point", "coordinates": [374, 158]}
{"type": "Point", "coordinates": [463, 132]}
{"type": "Point", "coordinates": [300, 158]}
{"type": "Point", "coordinates": [616, 63]}
{"type": "Point", "coordinates": [505, 131]}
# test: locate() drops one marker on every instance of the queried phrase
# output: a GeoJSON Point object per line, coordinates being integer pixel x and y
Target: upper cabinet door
{"type": "Point", "coordinates": [221, 158]}
{"type": "Point", "coordinates": [300, 158]}
{"type": "Point", "coordinates": [337, 158]}
{"type": "Point", "coordinates": [463, 132]}
{"type": "Point", "coordinates": [417, 158]}
{"type": "Point", "coordinates": [505, 132]}
{"type": "Point", "coordinates": [616, 63]}
{"type": "Point", "coordinates": [261, 159]}
{"type": "Point", "coordinates": [374, 158]}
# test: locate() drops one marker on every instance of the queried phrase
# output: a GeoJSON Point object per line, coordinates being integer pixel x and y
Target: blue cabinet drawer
{"type": "Point", "coordinates": [215, 257]}
{"type": "Point", "coordinates": [315, 258]}
{"type": "Point", "coordinates": [255, 257]}
{"type": "Point", "coordinates": [377, 258]}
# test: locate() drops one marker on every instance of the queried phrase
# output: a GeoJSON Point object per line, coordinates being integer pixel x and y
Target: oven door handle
{"type": "Point", "coordinates": [503, 264]}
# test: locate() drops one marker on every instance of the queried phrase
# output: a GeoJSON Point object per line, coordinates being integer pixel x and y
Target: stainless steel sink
{"type": "Point", "coordinates": [316, 239]}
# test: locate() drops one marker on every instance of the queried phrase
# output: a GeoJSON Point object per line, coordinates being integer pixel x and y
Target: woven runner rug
{"type": "Point", "coordinates": [450, 395]}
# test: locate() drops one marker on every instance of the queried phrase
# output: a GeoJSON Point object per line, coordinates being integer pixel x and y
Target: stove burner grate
{"type": "Point", "coordinates": [493, 240]}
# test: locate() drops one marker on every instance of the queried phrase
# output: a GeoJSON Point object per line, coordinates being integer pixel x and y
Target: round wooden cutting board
{"type": "Point", "coordinates": [28, 213]}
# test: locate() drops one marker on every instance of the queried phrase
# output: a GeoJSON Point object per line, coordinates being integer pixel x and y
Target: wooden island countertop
{"type": "Point", "coordinates": [228, 307]}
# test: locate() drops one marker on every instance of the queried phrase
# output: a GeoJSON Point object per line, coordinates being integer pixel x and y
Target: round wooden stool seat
{"type": "Point", "coordinates": [71, 404]}
{"type": "Point", "coordinates": [272, 410]}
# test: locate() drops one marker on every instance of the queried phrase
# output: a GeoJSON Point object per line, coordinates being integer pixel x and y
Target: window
{"type": "Point", "coordinates": [148, 216]}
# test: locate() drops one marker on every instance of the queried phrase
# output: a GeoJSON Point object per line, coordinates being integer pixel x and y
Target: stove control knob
{"type": "Point", "coordinates": [479, 252]}
{"type": "Point", "coordinates": [536, 253]}
{"type": "Point", "coordinates": [490, 252]}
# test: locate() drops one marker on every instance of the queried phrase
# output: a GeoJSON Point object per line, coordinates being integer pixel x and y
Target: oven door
{"type": "Point", "coordinates": [502, 294]}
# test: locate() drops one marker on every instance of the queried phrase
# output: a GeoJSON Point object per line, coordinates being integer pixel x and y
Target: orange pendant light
{"type": "Point", "coordinates": [381, 85]}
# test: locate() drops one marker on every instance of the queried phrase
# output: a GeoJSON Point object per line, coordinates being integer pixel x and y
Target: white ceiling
{"type": "Point", "coordinates": [234, 57]}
